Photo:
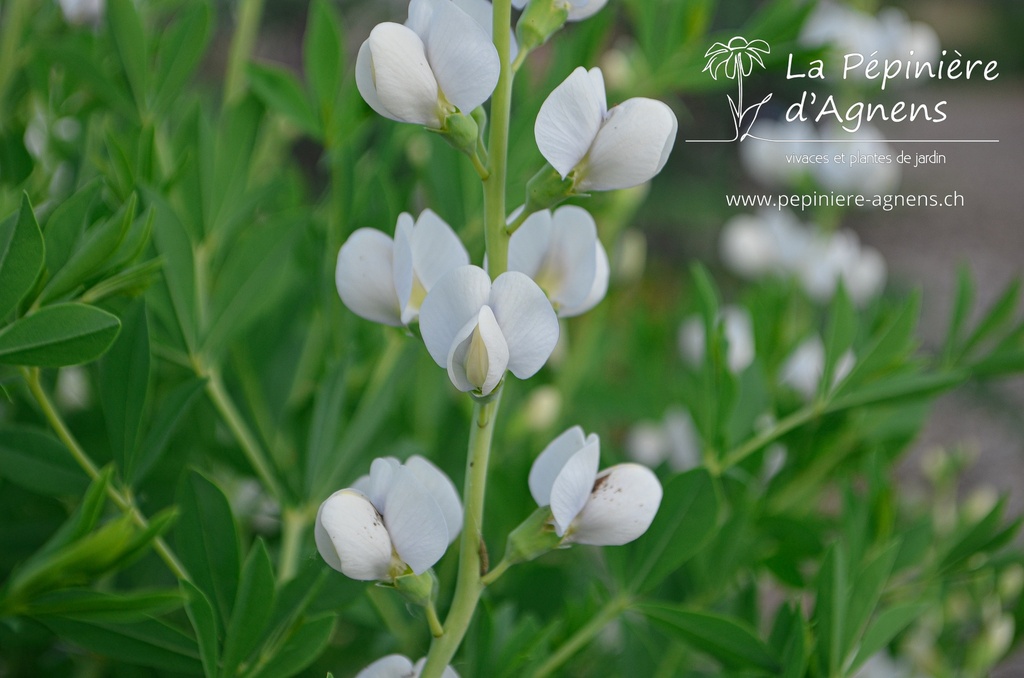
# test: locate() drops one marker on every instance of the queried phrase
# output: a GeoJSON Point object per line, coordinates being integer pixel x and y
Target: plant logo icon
{"type": "Point", "coordinates": [736, 60]}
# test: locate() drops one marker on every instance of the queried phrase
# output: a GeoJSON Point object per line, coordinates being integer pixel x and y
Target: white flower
{"type": "Point", "coordinates": [739, 335]}
{"type": "Point", "coordinates": [609, 508]}
{"type": "Point", "coordinates": [840, 256]}
{"type": "Point", "coordinates": [483, 14]}
{"type": "Point", "coordinates": [564, 256]}
{"type": "Point", "coordinates": [386, 281]}
{"type": "Point", "coordinates": [804, 368]}
{"type": "Point", "coordinates": [770, 241]}
{"type": "Point", "coordinates": [399, 517]}
{"type": "Point", "coordinates": [606, 149]}
{"type": "Point", "coordinates": [439, 61]}
{"type": "Point", "coordinates": [399, 666]}
{"type": "Point", "coordinates": [578, 9]}
{"type": "Point", "coordinates": [83, 11]}
{"type": "Point", "coordinates": [477, 329]}
{"type": "Point", "coordinates": [674, 439]}
{"type": "Point", "coordinates": [869, 178]}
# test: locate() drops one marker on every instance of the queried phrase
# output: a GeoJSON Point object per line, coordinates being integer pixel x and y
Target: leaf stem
{"type": "Point", "coordinates": [496, 573]}
{"type": "Point", "coordinates": [252, 449]}
{"type": "Point", "coordinates": [612, 609]}
{"type": "Point", "coordinates": [292, 529]}
{"type": "Point", "coordinates": [495, 235]}
{"type": "Point", "coordinates": [781, 428]}
{"type": "Point", "coordinates": [469, 585]}
{"type": "Point", "coordinates": [122, 500]}
{"type": "Point", "coordinates": [246, 29]}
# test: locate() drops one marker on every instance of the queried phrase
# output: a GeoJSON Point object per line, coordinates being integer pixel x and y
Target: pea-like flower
{"type": "Point", "coordinates": [563, 255]}
{"type": "Point", "coordinates": [386, 280]}
{"type": "Point", "coordinates": [399, 666]}
{"type": "Point", "coordinates": [805, 367]}
{"type": "Point", "coordinates": [603, 148]}
{"type": "Point", "coordinates": [83, 11]}
{"type": "Point", "coordinates": [739, 335]}
{"type": "Point", "coordinates": [577, 9]}
{"type": "Point", "coordinates": [609, 508]}
{"type": "Point", "coordinates": [477, 330]}
{"type": "Point", "coordinates": [421, 72]}
{"type": "Point", "coordinates": [400, 517]}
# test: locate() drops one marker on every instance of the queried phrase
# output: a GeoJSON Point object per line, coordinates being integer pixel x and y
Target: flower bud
{"type": "Point", "coordinates": [534, 537]}
{"type": "Point", "coordinates": [461, 132]}
{"type": "Point", "coordinates": [418, 589]}
{"type": "Point", "coordinates": [546, 189]}
{"type": "Point", "coordinates": [540, 20]}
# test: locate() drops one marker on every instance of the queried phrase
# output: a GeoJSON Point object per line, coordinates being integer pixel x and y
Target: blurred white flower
{"type": "Point", "coordinates": [609, 508]}
{"type": "Point", "coordinates": [477, 330]}
{"type": "Point", "coordinates": [578, 9]}
{"type": "Point", "coordinates": [890, 35]}
{"type": "Point", "coordinates": [399, 666]}
{"type": "Point", "coordinates": [83, 11]}
{"type": "Point", "coordinates": [400, 517]}
{"type": "Point", "coordinates": [881, 665]}
{"type": "Point", "coordinates": [561, 252]}
{"type": "Point", "coordinates": [840, 256]}
{"type": "Point", "coordinates": [386, 280]}
{"type": "Point", "coordinates": [630, 257]}
{"type": "Point", "coordinates": [805, 366]}
{"type": "Point", "coordinates": [440, 61]}
{"type": "Point", "coordinates": [73, 392]}
{"type": "Point", "coordinates": [674, 439]}
{"type": "Point", "coordinates": [542, 408]}
{"type": "Point", "coordinates": [603, 149]}
{"type": "Point", "coordinates": [739, 334]}
{"type": "Point", "coordinates": [766, 160]}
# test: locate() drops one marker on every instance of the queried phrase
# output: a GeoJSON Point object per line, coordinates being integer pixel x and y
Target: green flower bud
{"type": "Point", "coordinates": [540, 20]}
{"type": "Point", "coordinates": [547, 189]}
{"type": "Point", "coordinates": [534, 537]}
{"type": "Point", "coordinates": [462, 132]}
{"type": "Point", "coordinates": [418, 589]}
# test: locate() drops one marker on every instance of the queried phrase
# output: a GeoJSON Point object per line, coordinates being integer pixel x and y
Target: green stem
{"type": "Point", "coordinates": [249, 13]}
{"type": "Point", "coordinates": [519, 220]}
{"type": "Point", "coordinates": [252, 449]}
{"type": "Point", "coordinates": [292, 529]}
{"type": "Point", "coordinates": [612, 609]}
{"type": "Point", "coordinates": [496, 573]}
{"type": "Point", "coordinates": [123, 501]}
{"type": "Point", "coordinates": [436, 629]}
{"type": "Point", "coordinates": [781, 428]}
{"type": "Point", "coordinates": [495, 236]}
{"type": "Point", "coordinates": [468, 585]}
{"type": "Point", "coordinates": [12, 25]}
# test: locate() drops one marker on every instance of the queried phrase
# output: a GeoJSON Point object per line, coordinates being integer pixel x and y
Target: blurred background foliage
{"type": "Point", "coordinates": [196, 198]}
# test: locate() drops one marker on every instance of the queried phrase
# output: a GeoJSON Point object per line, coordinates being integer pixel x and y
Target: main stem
{"type": "Point", "coordinates": [468, 586]}
{"type": "Point", "coordinates": [495, 236]}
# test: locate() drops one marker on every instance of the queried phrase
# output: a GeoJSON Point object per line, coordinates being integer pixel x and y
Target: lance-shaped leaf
{"type": "Point", "coordinates": [21, 256]}
{"type": "Point", "coordinates": [55, 336]}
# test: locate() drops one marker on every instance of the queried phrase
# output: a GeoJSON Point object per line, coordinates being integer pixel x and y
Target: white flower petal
{"type": "Point", "coordinates": [442, 489]}
{"type": "Point", "coordinates": [621, 507]}
{"type": "Point", "coordinates": [380, 480]}
{"type": "Point", "coordinates": [404, 82]}
{"type": "Point", "coordinates": [415, 522]}
{"type": "Point", "coordinates": [351, 536]}
{"type": "Point", "coordinates": [631, 147]}
{"type": "Point", "coordinates": [572, 256]}
{"type": "Point", "coordinates": [454, 301]}
{"type": "Point", "coordinates": [364, 276]}
{"type": "Point", "coordinates": [573, 485]}
{"type": "Point", "coordinates": [391, 666]}
{"type": "Point", "coordinates": [569, 120]}
{"type": "Point", "coordinates": [528, 246]}
{"type": "Point", "coordinates": [549, 462]}
{"type": "Point", "coordinates": [739, 333]}
{"type": "Point", "coordinates": [527, 321]}
{"type": "Point", "coordinates": [479, 357]}
{"type": "Point", "coordinates": [462, 56]}
{"type": "Point", "coordinates": [598, 289]}
{"type": "Point", "coordinates": [420, 12]}
{"type": "Point", "coordinates": [404, 274]}
{"type": "Point", "coordinates": [365, 84]}
{"type": "Point", "coordinates": [483, 14]}
{"type": "Point", "coordinates": [436, 249]}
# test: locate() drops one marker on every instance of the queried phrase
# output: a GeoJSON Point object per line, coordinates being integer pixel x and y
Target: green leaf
{"type": "Point", "coordinates": [66, 225]}
{"type": "Point", "coordinates": [889, 347]}
{"type": "Point", "coordinates": [54, 336]}
{"type": "Point", "coordinates": [39, 463]}
{"type": "Point", "coordinates": [130, 41]}
{"type": "Point", "coordinates": [281, 92]}
{"type": "Point", "coordinates": [998, 316]}
{"type": "Point", "coordinates": [98, 245]}
{"type": "Point", "coordinates": [208, 544]}
{"type": "Point", "coordinates": [728, 640]}
{"type": "Point", "coordinates": [972, 538]}
{"type": "Point", "coordinates": [322, 55]}
{"type": "Point", "coordinates": [898, 389]}
{"type": "Point", "coordinates": [181, 49]}
{"type": "Point", "coordinates": [15, 162]}
{"type": "Point", "coordinates": [299, 649]}
{"type": "Point", "coordinates": [124, 383]}
{"type": "Point", "coordinates": [325, 428]}
{"type": "Point", "coordinates": [168, 416]}
{"type": "Point", "coordinates": [961, 308]}
{"type": "Point", "coordinates": [885, 627]}
{"type": "Point", "coordinates": [842, 327]}
{"type": "Point", "coordinates": [205, 624]}
{"type": "Point", "coordinates": [867, 591]}
{"type": "Point", "coordinates": [253, 606]}
{"type": "Point", "coordinates": [175, 247]}
{"type": "Point", "coordinates": [830, 610]}
{"type": "Point", "coordinates": [100, 606]}
{"type": "Point", "coordinates": [21, 257]}
{"type": "Point", "coordinates": [150, 642]}
{"type": "Point", "coordinates": [788, 640]}
{"type": "Point", "coordinates": [685, 521]}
